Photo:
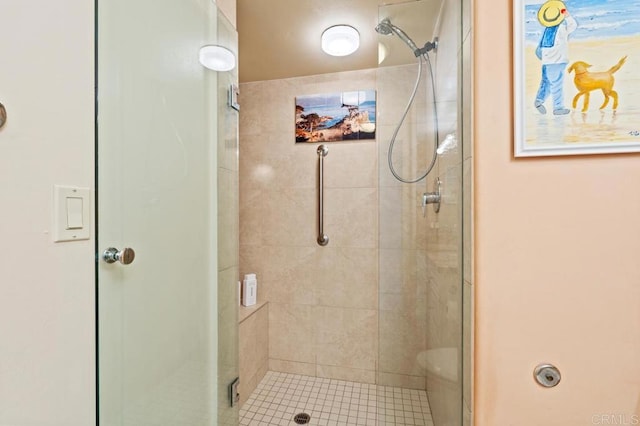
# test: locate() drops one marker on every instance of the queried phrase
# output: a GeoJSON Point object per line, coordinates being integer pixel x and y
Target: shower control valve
{"type": "Point", "coordinates": [434, 197]}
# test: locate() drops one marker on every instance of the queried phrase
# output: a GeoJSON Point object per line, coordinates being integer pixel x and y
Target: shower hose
{"type": "Point", "coordinates": [424, 56]}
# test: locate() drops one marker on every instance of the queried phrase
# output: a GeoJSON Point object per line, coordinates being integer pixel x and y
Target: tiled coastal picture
{"type": "Point", "coordinates": [577, 89]}
{"type": "Point", "coordinates": [346, 116]}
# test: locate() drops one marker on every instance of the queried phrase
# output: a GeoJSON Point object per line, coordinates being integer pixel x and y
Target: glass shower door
{"type": "Point", "coordinates": [421, 251]}
{"type": "Point", "coordinates": [161, 361]}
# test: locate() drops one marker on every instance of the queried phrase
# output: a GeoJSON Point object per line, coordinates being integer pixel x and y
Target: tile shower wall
{"type": "Point", "coordinates": [323, 301]}
{"type": "Point", "coordinates": [254, 348]}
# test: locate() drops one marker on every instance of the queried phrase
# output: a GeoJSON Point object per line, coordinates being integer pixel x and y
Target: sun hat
{"type": "Point", "coordinates": [551, 13]}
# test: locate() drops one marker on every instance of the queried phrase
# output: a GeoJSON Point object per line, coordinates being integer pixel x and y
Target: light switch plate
{"type": "Point", "coordinates": [71, 213]}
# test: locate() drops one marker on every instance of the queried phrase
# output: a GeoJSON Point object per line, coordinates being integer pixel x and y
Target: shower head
{"type": "Point", "coordinates": [385, 27]}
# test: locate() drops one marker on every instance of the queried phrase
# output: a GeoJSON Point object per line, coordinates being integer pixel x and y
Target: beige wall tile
{"type": "Point", "coordinates": [392, 271]}
{"type": "Point", "coordinates": [346, 337]}
{"type": "Point", "coordinates": [345, 277]}
{"type": "Point", "coordinates": [344, 373]}
{"type": "Point", "coordinates": [391, 82]}
{"type": "Point", "coordinates": [248, 354]}
{"type": "Point", "coordinates": [390, 228]}
{"type": "Point", "coordinates": [254, 342]}
{"type": "Point", "coordinates": [400, 380]}
{"type": "Point", "coordinates": [262, 336]}
{"type": "Point", "coordinates": [293, 367]}
{"type": "Point", "coordinates": [262, 370]}
{"type": "Point", "coordinates": [289, 217]}
{"type": "Point", "coordinates": [291, 329]}
{"type": "Point", "coordinates": [228, 8]}
{"type": "Point", "coordinates": [406, 159]}
{"type": "Point", "coordinates": [352, 165]}
{"type": "Point", "coordinates": [271, 161]}
{"type": "Point", "coordinates": [252, 262]}
{"type": "Point", "coordinates": [251, 217]}
{"type": "Point", "coordinates": [351, 217]}
{"type": "Point", "coordinates": [402, 340]}
{"type": "Point", "coordinates": [289, 274]}
{"type": "Point", "coordinates": [246, 387]}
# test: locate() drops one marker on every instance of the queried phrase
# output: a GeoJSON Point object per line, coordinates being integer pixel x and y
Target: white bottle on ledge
{"type": "Point", "coordinates": [249, 290]}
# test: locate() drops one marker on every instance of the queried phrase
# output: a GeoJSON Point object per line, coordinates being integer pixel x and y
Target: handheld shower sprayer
{"type": "Point", "coordinates": [385, 27]}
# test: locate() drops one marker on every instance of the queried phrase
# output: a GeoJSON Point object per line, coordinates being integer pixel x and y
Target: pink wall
{"type": "Point", "coordinates": [557, 264]}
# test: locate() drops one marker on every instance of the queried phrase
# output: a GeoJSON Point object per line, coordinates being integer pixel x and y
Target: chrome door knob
{"type": "Point", "coordinates": [3, 115]}
{"type": "Point", "coordinates": [124, 256]}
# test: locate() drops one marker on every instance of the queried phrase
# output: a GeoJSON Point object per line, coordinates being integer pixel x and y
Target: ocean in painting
{"type": "Point", "coordinates": [597, 19]}
{"type": "Point", "coordinates": [336, 116]}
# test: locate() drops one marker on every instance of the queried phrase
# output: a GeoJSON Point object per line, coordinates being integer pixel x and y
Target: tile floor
{"type": "Point", "coordinates": [280, 396]}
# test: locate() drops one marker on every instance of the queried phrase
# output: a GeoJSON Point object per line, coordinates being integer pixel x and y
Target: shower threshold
{"type": "Point", "coordinates": [281, 396]}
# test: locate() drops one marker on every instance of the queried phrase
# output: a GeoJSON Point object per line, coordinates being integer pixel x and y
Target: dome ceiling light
{"type": "Point", "coordinates": [340, 40]}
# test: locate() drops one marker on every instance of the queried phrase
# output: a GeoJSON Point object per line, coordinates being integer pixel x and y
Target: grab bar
{"type": "Point", "coordinates": [323, 239]}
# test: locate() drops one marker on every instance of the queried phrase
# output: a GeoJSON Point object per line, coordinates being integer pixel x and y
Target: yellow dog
{"type": "Point", "coordinates": [586, 81]}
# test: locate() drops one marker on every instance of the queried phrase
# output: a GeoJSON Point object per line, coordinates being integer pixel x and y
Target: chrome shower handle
{"type": "Point", "coordinates": [323, 239]}
{"type": "Point", "coordinates": [434, 197]}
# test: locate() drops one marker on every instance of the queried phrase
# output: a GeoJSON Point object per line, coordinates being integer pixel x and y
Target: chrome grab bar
{"type": "Point", "coordinates": [323, 239]}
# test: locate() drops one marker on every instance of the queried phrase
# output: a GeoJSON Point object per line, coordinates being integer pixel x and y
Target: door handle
{"type": "Point", "coordinates": [124, 256]}
{"type": "Point", "coordinates": [3, 115]}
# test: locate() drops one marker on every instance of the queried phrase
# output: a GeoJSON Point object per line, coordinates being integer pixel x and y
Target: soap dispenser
{"type": "Point", "coordinates": [249, 290]}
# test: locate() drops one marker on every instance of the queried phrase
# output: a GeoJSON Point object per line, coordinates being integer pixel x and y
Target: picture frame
{"type": "Point", "coordinates": [566, 57]}
{"type": "Point", "coordinates": [336, 117]}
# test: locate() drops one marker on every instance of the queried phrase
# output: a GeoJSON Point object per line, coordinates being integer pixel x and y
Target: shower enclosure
{"type": "Point", "coordinates": [383, 302]}
{"type": "Point", "coordinates": [167, 190]}
{"type": "Point", "coordinates": [421, 250]}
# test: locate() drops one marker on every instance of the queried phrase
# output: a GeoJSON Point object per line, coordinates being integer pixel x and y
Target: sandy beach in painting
{"type": "Point", "coordinates": [594, 126]}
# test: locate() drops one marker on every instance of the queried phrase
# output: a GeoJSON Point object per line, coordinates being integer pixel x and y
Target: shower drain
{"type": "Point", "coordinates": [302, 418]}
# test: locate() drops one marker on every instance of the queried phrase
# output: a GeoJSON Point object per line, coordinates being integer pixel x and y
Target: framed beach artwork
{"type": "Point", "coordinates": [577, 86]}
{"type": "Point", "coordinates": [346, 116]}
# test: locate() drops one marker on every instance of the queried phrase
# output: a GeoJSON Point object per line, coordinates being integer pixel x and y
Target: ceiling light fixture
{"type": "Point", "coordinates": [217, 58]}
{"type": "Point", "coordinates": [340, 40]}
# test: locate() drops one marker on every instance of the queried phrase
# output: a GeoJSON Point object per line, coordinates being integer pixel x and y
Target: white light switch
{"type": "Point", "coordinates": [72, 213]}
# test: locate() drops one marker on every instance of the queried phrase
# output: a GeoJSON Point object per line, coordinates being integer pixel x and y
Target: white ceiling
{"type": "Point", "coordinates": [281, 38]}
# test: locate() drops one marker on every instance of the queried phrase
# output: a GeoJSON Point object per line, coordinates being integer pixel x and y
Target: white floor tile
{"type": "Point", "coordinates": [280, 396]}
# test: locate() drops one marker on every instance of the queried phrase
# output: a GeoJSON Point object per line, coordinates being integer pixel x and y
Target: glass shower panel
{"type": "Point", "coordinates": [420, 292]}
{"type": "Point", "coordinates": [166, 349]}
